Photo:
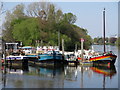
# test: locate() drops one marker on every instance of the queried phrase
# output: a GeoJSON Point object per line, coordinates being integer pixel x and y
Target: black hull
{"type": "Point", "coordinates": [48, 63]}
{"type": "Point", "coordinates": [110, 61]}
{"type": "Point", "coordinates": [105, 61]}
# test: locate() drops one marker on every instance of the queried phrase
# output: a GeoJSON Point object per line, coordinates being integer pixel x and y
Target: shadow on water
{"type": "Point", "coordinates": [53, 77]}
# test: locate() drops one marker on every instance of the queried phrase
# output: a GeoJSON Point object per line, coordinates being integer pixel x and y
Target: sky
{"type": "Point", "coordinates": [89, 14]}
{"type": "Point", "coordinates": [119, 19]}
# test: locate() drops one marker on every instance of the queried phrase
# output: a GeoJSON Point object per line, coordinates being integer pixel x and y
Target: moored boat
{"type": "Point", "coordinates": [106, 58]}
{"type": "Point", "coordinates": [50, 58]}
{"type": "Point", "coordinates": [19, 57]}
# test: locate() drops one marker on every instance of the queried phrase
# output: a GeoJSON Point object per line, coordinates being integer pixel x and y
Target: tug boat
{"type": "Point", "coordinates": [105, 58]}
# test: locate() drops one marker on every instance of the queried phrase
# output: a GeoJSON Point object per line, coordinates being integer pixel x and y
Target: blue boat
{"type": "Point", "coordinates": [47, 59]}
{"type": "Point", "coordinates": [50, 55]}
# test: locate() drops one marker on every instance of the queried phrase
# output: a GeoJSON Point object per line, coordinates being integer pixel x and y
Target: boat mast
{"type": "Point", "coordinates": [104, 29]}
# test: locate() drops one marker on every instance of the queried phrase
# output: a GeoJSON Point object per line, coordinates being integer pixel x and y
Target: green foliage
{"type": "Point", "coordinates": [19, 11]}
{"type": "Point", "coordinates": [118, 41]}
{"type": "Point", "coordinates": [88, 42]}
{"type": "Point", "coordinates": [98, 40]}
{"type": "Point", "coordinates": [70, 18]}
{"type": "Point", "coordinates": [26, 30]}
{"type": "Point", "coordinates": [109, 41]}
{"type": "Point", "coordinates": [45, 27]}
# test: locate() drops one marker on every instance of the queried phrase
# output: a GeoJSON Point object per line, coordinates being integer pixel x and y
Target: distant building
{"type": "Point", "coordinates": [113, 39]}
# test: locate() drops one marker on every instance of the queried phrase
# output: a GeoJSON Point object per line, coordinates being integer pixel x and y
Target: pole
{"type": "Point", "coordinates": [75, 51]}
{"type": "Point", "coordinates": [81, 77]}
{"type": "Point", "coordinates": [76, 47]}
{"type": "Point", "coordinates": [59, 39]}
{"type": "Point", "coordinates": [62, 46]}
{"type": "Point", "coordinates": [1, 7]}
{"type": "Point", "coordinates": [4, 53]}
{"type": "Point", "coordinates": [41, 43]}
{"type": "Point", "coordinates": [82, 49]}
{"type": "Point", "coordinates": [104, 29]}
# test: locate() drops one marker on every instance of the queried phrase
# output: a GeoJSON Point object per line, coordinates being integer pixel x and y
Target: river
{"type": "Point", "coordinates": [63, 77]}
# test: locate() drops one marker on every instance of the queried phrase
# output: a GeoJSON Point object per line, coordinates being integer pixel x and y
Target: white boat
{"type": "Point", "coordinates": [28, 49]}
{"type": "Point", "coordinates": [19, 57]}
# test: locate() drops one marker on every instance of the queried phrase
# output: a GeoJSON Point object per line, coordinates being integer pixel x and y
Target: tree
{"type": "Point", "coordinates": [38, 9]}
{"type": "Point", "coordinates": [19, 11]}
{"type": "Point", "coordinates": [58, 16]}
{"type": "Point", "coordinates": [118, 41]}
{"type": "Point", "coordinates": [113, 40]}
{"type": "Point", "coordinates": [26, 31]}
{"type": "Point", "coordinates": [43, 21]}
{"type": "Point", "coordinates": [70, 18]}
{"type": "Point", "coordinates": [7, 31]}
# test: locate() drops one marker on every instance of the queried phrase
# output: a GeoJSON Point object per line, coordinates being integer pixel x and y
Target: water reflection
{"type": "Point", "coordinates": [70, 73]}
{"type": "Point", "coordinates": [106, 71]}
{"type": "Point", "coordinates": [45, 71]}
{"type": "Point", "coordinates": [62, 77]}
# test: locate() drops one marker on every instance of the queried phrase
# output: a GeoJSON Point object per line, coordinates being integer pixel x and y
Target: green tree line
{"type": "Point", "coordinates": [108, 41]}
{"type": "Point", "coordinates": [118, 41]}
{"type": "Point", "coordinates": [43, 22]}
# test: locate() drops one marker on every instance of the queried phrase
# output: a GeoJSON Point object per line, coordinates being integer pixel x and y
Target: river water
{"type": "Point", "coordinates": [62, 77]}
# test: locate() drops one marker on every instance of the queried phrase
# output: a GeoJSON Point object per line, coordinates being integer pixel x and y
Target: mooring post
{"type": "Point", "coordinates": [34, 61]}
{"type": "Point", "coordinates": [82, 40]}
{"type": "Point", "coordinates": [4, 54]}
{"type": "Point", "coordinates": [10, 62]}
{"type": "Point", "coordinates": [62, 46]}
{"type": "Point", "coordinates": [25, 64]}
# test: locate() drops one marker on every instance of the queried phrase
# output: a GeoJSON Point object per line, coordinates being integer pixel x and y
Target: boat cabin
{"type": "Point", "coordinates": [13, 46]}
{"type": "Point", "coordinates": [28, 49]}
